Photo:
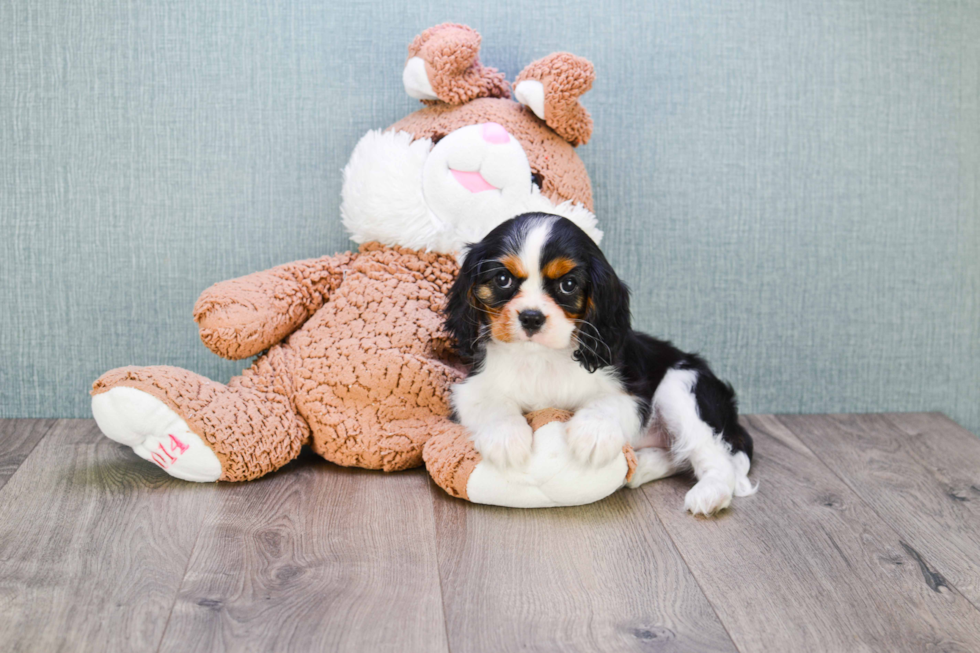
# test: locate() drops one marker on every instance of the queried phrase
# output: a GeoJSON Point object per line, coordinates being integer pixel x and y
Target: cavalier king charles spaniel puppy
{"type": "Point", "coordinates": [543, 321]}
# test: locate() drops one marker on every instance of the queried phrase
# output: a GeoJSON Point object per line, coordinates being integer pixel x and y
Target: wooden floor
{"type": "Point", "coordinates": [864, 536]}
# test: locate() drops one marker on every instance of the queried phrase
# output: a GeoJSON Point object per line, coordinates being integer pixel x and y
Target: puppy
{"type": "Point", "coordinates": [543, 321]}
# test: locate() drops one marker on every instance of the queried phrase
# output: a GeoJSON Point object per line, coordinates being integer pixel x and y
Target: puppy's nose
{"type": "Point", "coordinates": [495, 133]}
{"type": "Point", "coordinates": [531, 320]}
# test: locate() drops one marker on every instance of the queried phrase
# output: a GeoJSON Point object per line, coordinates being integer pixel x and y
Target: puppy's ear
{"type": "Point", "coordinates": [607, 318]}
{"type": "Point", "coordinates": [464, 320]}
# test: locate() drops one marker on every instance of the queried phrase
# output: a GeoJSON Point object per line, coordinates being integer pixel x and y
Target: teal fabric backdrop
{"type": "Point", "coordinates": [790, 188]}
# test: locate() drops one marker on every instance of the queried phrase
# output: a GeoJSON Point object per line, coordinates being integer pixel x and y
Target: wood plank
{"type": "Point", "coordinates": [314, 558]}
{"type": "Point", "coordinates": [806, 565]}
{"type": "Point", "coordinates": [603, 577]}
{"type": "Point", "coordinates": [93, 543]}
{"type": "Point", "coordinates": [920, 472]}
{"type": "Point", "coordinates": [18, 438]}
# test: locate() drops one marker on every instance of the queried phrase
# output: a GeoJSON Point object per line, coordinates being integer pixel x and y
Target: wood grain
{"type": "Point", "coordinates": [18, 437]}
{"type": "Point", "coordinates": [920, 472]}
{"type": "Point", "coordinates": [806, 565]}
{"type": "Point", "coordinates": [863, 537]}
{"type": "Point", "coordinates": [603, 577]}
{"type": "Point", "coordinates": [93, 544]}
{"type": "Point", "coordinates": [314, 558]}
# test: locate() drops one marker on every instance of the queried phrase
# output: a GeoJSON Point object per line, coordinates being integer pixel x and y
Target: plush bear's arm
{"type": "Point", "coordinates": [241, 317]}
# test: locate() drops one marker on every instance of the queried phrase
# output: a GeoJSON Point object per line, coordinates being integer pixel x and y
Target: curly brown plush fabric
{"type": "Point", "coordinates": [565, 78]}
{"type": "Point", "coordinates": [364, 380]}
{"type": "Point", "coordinates": [450, 459]}
{"type": "Point", "coordinates": [451, 56]}
{"type": "Point", "coordinates": [560, 172]}
{"type": "Point", "coordinates": [242, 317]}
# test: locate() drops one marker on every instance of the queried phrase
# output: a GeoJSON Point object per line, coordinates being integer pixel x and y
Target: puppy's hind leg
{"type": "Point", "coordinates": [696, 443]}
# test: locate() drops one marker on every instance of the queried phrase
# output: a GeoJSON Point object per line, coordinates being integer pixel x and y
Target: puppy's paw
{"type": "Point", "coordinates": [708, 496]}
{"type": "Point", "coordinates": [506, 443]}
{"type": "Point", "coordinates": [594, 440]}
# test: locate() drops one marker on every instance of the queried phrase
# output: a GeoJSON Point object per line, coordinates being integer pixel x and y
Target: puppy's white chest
{"type": "Point", "coordinates": [537, 377]}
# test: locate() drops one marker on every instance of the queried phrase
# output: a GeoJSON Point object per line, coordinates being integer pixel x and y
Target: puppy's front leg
{"type": "Point", "coordinates": [598, 431]}
{"type": "Point", "coordinates": [497, 426]}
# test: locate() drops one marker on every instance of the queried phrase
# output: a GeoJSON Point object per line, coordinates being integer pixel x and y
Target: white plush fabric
{"type": "Point", "coordinates": [382, 193]}
{"type": "Point", "coordinates": [530, 93]}
{"type": "Point", "coordinates": [416, 80]}
{"type": "Point", "coordinates": [550, 478]}
{"type": "Point", "coordinates": [401, 192]}
{"type": "Point", "coordinates": [156, 433]}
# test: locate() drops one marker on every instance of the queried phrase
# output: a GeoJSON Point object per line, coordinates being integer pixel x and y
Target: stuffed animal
{"type": "Point", "coordinates": [552, 477]}
{"type": "Point", "coordinates": [353, 360]}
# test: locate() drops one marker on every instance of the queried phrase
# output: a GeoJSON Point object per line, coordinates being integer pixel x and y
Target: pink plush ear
{"type": "Point", "coordinates": [443, 64]}
{"type": "Point", "coordinates": [550, 87]}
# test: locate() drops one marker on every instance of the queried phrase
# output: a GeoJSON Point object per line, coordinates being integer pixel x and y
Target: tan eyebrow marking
{"type": "Point", "coordinates": [514, 266]}
{"type": "Point", "coordinates": [484, 293]}
{"type": "Point", "coordinates": [558, 267]}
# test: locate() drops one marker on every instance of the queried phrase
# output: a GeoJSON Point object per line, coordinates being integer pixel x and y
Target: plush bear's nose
{"type": "Point", "coordinates": [495, 133]}
{"type": "Point", "coordinates": [531, 320]}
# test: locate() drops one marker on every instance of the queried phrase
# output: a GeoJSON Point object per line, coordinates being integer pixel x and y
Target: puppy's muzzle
{"type": "Point", "coordinates": [531, 321]}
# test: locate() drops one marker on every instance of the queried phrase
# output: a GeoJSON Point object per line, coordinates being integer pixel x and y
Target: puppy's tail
{"type": "Point", "coordinates": [743, 486]}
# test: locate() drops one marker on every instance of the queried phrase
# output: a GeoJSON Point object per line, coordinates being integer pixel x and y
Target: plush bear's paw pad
{"type": "Point", "coordinates": [708, 496]}
{"type": "Point", "coordinates": [156, 433]}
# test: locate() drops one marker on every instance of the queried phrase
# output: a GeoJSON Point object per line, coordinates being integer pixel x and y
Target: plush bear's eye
{"type": "Point", "coordinates": [537, 179]}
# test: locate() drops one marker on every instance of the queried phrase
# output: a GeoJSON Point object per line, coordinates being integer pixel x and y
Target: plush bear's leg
{"type": "Point", "coordinates": [200, 430]}
{"type": "Point", "coordinates": [450, 458]}
{"type": "Point", "coordinates": [375, 410]}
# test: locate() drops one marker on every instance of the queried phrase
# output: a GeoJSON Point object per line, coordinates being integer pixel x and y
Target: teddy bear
{"type": "Point", "coordinates": [352, 359]}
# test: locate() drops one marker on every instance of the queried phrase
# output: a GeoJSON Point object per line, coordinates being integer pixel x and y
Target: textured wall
{"type": "Point", "coordinates": [791, 188]}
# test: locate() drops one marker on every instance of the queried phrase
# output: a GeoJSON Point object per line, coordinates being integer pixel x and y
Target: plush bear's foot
{"type": "Point", "coordinates": [551, 477]}
{"type": "Point", "coordinates": [155, 432]}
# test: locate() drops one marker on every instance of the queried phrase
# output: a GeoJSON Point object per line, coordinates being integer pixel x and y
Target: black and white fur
{"type": "Point", "coordinates": [544, 321]}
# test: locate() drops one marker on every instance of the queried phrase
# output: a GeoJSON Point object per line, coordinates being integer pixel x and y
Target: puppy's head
{"type": "Point", "coordinates": [539, 278]}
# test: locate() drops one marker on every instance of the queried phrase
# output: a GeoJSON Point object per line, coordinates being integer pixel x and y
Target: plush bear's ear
{"type": "Point", "coordinates": [444, 64]}
{"type": "Point", "coordinates": [550, 87]}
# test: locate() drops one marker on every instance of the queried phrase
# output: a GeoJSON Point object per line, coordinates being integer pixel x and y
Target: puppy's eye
{"type": "Point", "coordinates": [503, 280]}
{"type": "Point", "coordinates": [568, 285]}
{"type": "Point", "coordinates": [537, 179]}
